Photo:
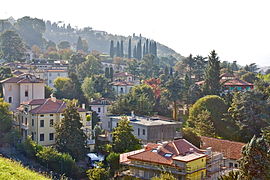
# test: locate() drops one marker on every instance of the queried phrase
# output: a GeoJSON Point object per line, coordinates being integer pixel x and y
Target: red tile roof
{"type": "Point", "coordinates": [229, 149]}
{"type": "Point", "coordinates": [48, 106]}
{"type": "Point", "coordinates": [180, 147]}
{"type": "Point", "coordinates": [122, 83]}
{"type": "Point", "coordinates": [24, 78]}
{"type": "Point", "coordinates": [235, 82]}
{"type": "Point", "coordinates": [122, 74]}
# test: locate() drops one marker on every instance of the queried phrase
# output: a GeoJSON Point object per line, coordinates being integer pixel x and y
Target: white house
{"type": "Point", "coordinates": [100, 106]}
{"type": "Point", "coordinates": [22, 88]}
{"type": "Point", "coordinates": [51, 74]}
{"type": "Point", "coordinates": [122, 87]}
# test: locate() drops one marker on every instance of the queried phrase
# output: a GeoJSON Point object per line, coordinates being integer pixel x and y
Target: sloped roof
{"type": "Point", "coordinates": [122, 74]}
{"type": "Point", "coordinates": [229, 149]}
{"type": "Point", "coordinates": [49, 106]}
{"type": "Point", "coordinates": [122, 83]}
{"type": "Point", "coordinates": [234, 82]}
{"type": "Point", "coordinates": [176, 148]}
{"type": "Point", "coordinates": [24, 78]}
{"type": "Point", "coordinates": [100, 101]}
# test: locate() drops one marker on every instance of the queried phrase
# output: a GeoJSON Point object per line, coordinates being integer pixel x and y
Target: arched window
{"type": "Point", "coordinates": [10, 100]}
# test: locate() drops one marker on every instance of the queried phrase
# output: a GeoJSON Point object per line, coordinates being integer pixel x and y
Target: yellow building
{"type": "Point", "coordinates": [179, 157]}
{"type": "Point", "coordinates": [37, 119]}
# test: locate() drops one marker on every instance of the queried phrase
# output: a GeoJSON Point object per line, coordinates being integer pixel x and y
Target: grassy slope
{"type": "Point", "coordinates": [14, 170]}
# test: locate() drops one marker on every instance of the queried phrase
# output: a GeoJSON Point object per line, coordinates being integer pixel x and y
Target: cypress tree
{"type": "Point", "coordinates": [144, 49]}
{"type": "Point", "coordinates": [79, 44]}
{"type": "Point", "coordinates": [111, 73]}
{"type": "Point", "coordinates": [171, 71]}
{"type": "Point", "coordinates": [147, 46]}
{"type": "Point", "coordinates": [150, 48]}
{"type": "Point", "coordinates": [155, 49]}
{"type": "Point", "coordinates": [112, 49]}
{"type": "Point", "coordinates": [212, 75]}
{"type": "Point", "coordinates": [118, 53]}
{"type": "Point", "coordinates": [129, 48]}
{"type": "Point", "coordinates": [166, 71]}
{"type": "Point", "coordinates": [139, 49]}
{"type": "Point", "coordinates": [107, 72]}
{"type": "Point", "coordinates": [122, 49]}
{"type": "Point", "coordinates": [135, 52]}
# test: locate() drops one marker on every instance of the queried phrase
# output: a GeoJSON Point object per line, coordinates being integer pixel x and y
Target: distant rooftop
{"type": "Point", "coordinates": [147, 121]}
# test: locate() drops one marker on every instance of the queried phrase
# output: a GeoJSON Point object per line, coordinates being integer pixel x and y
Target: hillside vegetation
{"type": "Point", "coordinates": [13, 170]}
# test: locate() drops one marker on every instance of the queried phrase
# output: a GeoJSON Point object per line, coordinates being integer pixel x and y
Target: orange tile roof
{"type": "Point", "coordinates": [122, 74]}
{"type": "Point", "coordinates": [24, 78]}
{"type": "Point", "coordinates": [229, 149]}
{"type": "Point", "coordinates": [179, 147]}
{"type": "Point", "coordinates": [48, 106]}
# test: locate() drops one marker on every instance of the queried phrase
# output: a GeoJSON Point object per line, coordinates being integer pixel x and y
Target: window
{"type": "Point", "coordinates": [41, 123]}
{"type": "Point", "coordinates": [33, 122]}
{"type": "Point", "coordinates": [50, 81]}
{"type": "Point", "coordinates": [139, 131]}
{"type": "Point", "coordinates": [26, 121]}
{"type": "Point", "coordinates": [51, 114]}
{"type": "Point", "coordinates": [42, 115]}
{"type": "Point", "coordinates": [239, 88]}
{"type": "Point", "coordinates": [99, 110]}
{"type": "Point", "coordinates": [10, 100]}
{"type": "Point", "coordinates": [51, 136]}
{"type": "Point", "coordinates": [230, 165]}
{"type": "Point", "coordinates": [121, 90]}
{"type": "Point", "coordinates": [236, 165]}
{"type": "Point", "coordinates": [41, 137]}
{"type": "Point", "coordinates": [143, 132]}
{"type": "Point", "coordinates": [26, 109]}
{"type": "Point", "coordinates": [168, 155]}
{"type": "Point", "coordinates": [51, 122]}
{"type": "Point", "coordinates": [26, 93]}
{"type": "Point", "coordinates": [22, 119]}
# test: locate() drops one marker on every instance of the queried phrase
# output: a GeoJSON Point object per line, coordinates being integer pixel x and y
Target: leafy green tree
{"type": "Point", "coordinates": [174, 93]}
{"type": "Point", "coordinates": [70, 137]}
{"type": "Point", "coordinates": [232, 175]}
{"type": "Point", "coordinates": [212, 75]}
{"type": "Point", "coordinates": [75, 60]}
{"type": "Point", "coordinates": [5, 120]}
{"type": "Point", "coordinates": [79, 44]}
{"type": "Point", "coordinates": [150, 66]}
{"type": "Point", "coordinates": [11, 46]}
{"type": "Point", "coordinates": [251, 68]}
{"type": "Point", "coordinates": [255, 163]}
{"type": "Point", "coordinates": [216, 107]}
{"type": "Point", "coordinates": [99, 173]}
{"type": "Point", "coordinates": [249, 77]}
{"type": "Point", "coordinates": [164, 176]}
{"type": "Point", "coordinates": [113, 161]}
{"type": "Point", "coordinates": [250, 111]}
{"type": "Point", "coordinates": [85, 46]}
{"type": "Point", "coordinates": [64, 45]}
{"type": "Point", "coordinates": [31, 30]}
{"type": "Point", "coordinates": [129, 48]}
{"type": "Point", "coordinates": [112, 49]}
{"type": "Point", "coordinates": [204, 124]}
{"type": "Point", "coordinates": [48, 91]}
{"type": "Point", "coordinates": [133, 67]}
{"type": "Point", "coordinates": [123, 139]}
{"type": "Point", "coordinates": [92, 66]}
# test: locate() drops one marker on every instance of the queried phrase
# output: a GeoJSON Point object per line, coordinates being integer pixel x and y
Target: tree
{"type": "Point", "coordinates": [249, 77]}
{"type": "Point", "coordinates": [191, 136]}
{"type": "Point", "coordinates": [212, 75]}
{"type": "Point", "coordinates": [107, 73]}
{"type": "Point", "coordinates": [255, 163]}
{"type": "Point", "coordinates": [129, 48]}
{"type": "Point", "coordinates": [204, 124]}
{"type": "Point", "coordinates": [113, 161]}
{"type": "Point", "coordinates": [164, 176]}
{"type": "Point", "coordinates": [48, 91]}
{"type": "Point", "coordinates": [133, 67]}
{"type": "Point", "coordinates": [70, 137]}
{"type": "Point", "coordinates": [174, 93]}
{"type": "Point", "coordinates": [250, 112]}
{"type": "Point", "coordinates": [99, 173]}
{"type": "Point", "coordinates": [92, 66]}
{"type": "Point", "coordinates": [112, 49]}
{"type": "Point", "coordinates": [64, 45]}
{"type": "Point", "coordinates": [231, 175]}
{"type": "Point", "coordinates": [122, 49]}
{"type": "Point", "coordinates": [79, 44]}
{"type": "Point", "coordinates": [5, 120]}
{"type": "Point", "coordinates": [123, 139]}
{"type": "Point", "coordinates": [139, 49]}
{"type": "Point", "coordinates": [111, 73]}
{"type": "Point", "coordinates": [118, 50]}
{"type": "Point", "coordinates": [216, 107]}
{"type": "Point", "coordinates": [11, 46]}
{"type": "Point", "coordinates": [135, 52]}
{"type": "Point", "coordinates": [85, 45]}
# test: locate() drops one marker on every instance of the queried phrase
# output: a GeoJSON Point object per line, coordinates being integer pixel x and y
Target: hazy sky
{"type": "Point", "coordinates": [236, 29]}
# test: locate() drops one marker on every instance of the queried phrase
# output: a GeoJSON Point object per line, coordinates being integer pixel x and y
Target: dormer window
{"type": "Point", "coordinates": [168, 155]}
{"type": "Point", "coordinates": [154, 150]}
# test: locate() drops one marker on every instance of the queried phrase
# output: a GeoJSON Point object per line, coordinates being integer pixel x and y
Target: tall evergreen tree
{"type": "Point", "coordinates": [155, 48]}
{"type": "Point", "coordinates": [150, 47]}
{"type": "Point", "coordinates": [107, 72]}
{"type": "Point", "coordinates": [112, 49]}
{"type": "Point", "coordinates": [111, 73]}
{"type": "Point", "coordinates": [129, 48]}
{"type": "Point", "coordinates": [135, 52]}
{"type": "Point", "coordinates": [70, 137]}
{"type": "Point", "coordinates": [147, 46]}
{"type": "Point", "coordinates": [79, 44]}
{"type": "Point", "coordinates": [122, 49]}
{"type": "Point", "coordinates": [143, 49]}
{"type": "Point", "coordinates": [212, 75]}
{"type": "Point", "coordinates": [139, 49]}
{"type": "Point", "coordinates": [118, 50]}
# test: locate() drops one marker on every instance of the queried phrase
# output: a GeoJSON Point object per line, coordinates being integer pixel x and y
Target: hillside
{"type": "Point", "coordinates": [14, 170]}
{"type": "Point", "coordinates": [38, 32]}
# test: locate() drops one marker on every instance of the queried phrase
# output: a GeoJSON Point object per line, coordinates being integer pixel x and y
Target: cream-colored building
{"type": "Point", "coordinates": [22, 88]}
{"type": "Point", "coordinates": [38, 117]}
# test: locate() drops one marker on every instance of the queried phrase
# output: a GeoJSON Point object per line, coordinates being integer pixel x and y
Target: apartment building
{"type": "Point", "coordinates": [22, 88]}
{"type": "Point", "coordinates": [37, 119]}
{"type": "Point", "coordinates": [179, 157]}
{"type": "Point", "coordinates": [100, 106]}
